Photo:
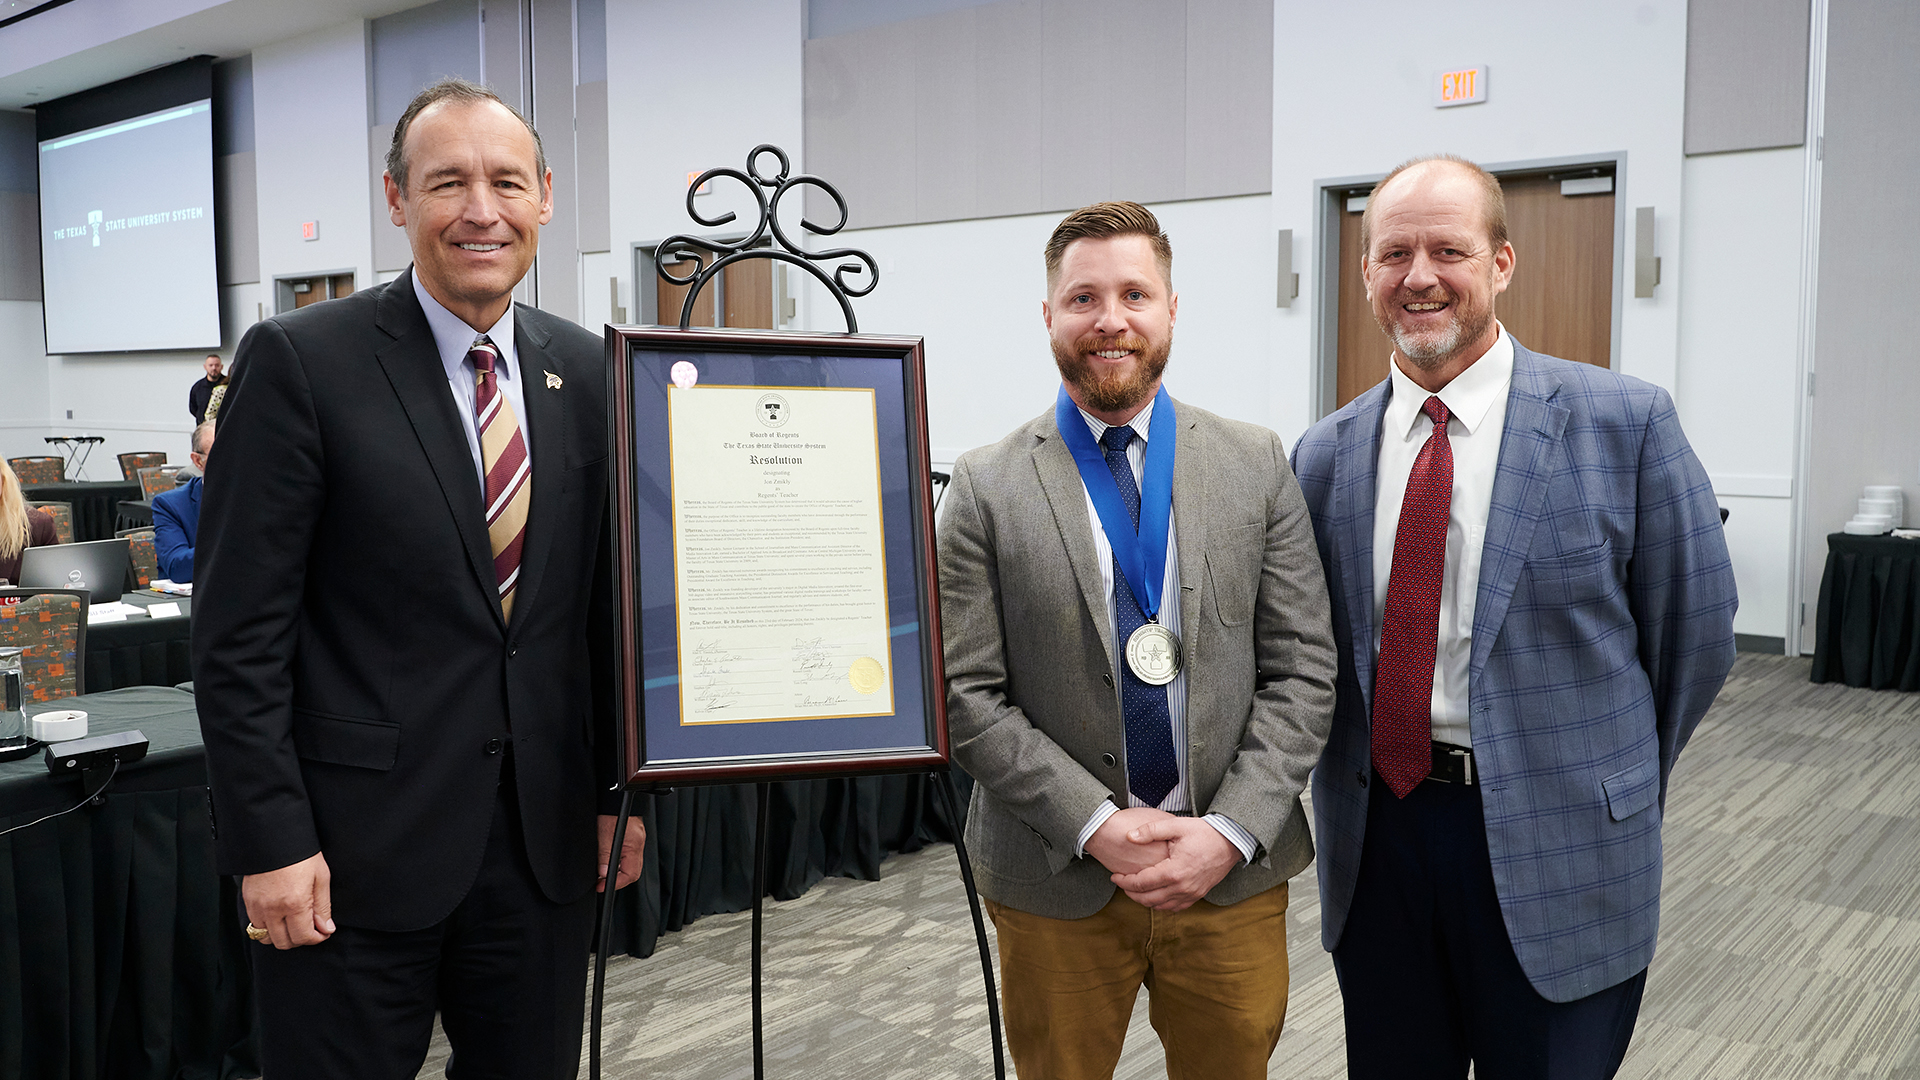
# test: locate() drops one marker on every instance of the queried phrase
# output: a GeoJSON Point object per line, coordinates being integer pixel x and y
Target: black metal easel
{"type": "Point", "coordinates": [763, 798]}
{"type": "Point", "coordinates": [681, 248]}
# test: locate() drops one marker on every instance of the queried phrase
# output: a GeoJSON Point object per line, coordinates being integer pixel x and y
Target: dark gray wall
{"type": "Point", "coordinates": [547, 58]}
{"type": "Point", "coordinates": [236, 195]}
{"type": "Point", "coordinates": [1009, 108]}
{"type": "Point", "coordinates": [1746, 74]}
{"type": "Point", "coordinates": [19, 208]}
{"type": "Point", "coordinates": [410, 51]}
{"type": "Point", "coordinates": [825, 18]}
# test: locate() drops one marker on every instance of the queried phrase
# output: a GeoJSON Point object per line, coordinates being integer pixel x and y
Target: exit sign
{"type": "Point", "coordinates": [309, 230]}
{"type": "Point", "coordinates": [1467, 86]}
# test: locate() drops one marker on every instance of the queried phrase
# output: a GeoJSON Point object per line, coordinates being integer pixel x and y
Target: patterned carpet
{"type": "Point", "coordinates": [1790, 945]}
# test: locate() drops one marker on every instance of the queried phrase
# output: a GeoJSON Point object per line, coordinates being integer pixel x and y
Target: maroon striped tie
{"type": "Point", "coordinates": [1403, 685]}
{"type": "Point", "coordinates": [509, 488]}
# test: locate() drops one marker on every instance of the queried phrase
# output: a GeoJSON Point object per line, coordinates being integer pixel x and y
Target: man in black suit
{"type": "Point", "coordinates": [202, 389]}
{"type": "Point", "coordinates": [401, 635]}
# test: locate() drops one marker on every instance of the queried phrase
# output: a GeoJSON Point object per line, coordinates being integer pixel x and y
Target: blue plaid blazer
{"type": "Point", "coordinates": [1602, 630]}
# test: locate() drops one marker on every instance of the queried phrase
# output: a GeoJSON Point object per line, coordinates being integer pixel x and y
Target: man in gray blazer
{"type": "Point", "coordinates": [1139, 676]}
{"type": "Point", "coordinates": [1534, 608]}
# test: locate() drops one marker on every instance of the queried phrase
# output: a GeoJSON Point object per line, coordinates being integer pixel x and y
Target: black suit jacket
{"type": "Point", "coordinates": [355, 679]}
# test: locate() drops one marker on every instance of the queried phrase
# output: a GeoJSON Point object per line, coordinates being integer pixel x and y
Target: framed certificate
{"type": "Point", "coordinates": [773, 555]}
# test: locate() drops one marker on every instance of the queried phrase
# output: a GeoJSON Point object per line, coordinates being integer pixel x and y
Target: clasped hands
{"type": "Point", "coordinates": [1160, 860]}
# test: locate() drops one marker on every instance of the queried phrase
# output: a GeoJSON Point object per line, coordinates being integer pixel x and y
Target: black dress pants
{"type": "Point", "coordinates": [506, 971]}
{"type": "Point", "coordinates": [1427, 972]}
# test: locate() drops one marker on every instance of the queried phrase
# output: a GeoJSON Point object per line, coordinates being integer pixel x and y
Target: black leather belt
{"type": "Point", "coordinates": [1453, 765]}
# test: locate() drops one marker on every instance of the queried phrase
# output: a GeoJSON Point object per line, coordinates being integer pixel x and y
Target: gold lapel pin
{"type": "Point", "coordinates": [553, 381]}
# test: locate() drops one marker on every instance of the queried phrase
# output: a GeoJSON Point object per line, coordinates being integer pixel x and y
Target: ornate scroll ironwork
{"type": "Point", "coordinates": [710, 257]}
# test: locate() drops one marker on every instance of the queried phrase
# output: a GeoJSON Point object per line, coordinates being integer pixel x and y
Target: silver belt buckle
{"type": "Point", "coordinates": [1453, 765]}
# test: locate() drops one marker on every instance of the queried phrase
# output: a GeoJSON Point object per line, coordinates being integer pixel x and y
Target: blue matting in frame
{"type": "Point", "coordinates": [667, 740]}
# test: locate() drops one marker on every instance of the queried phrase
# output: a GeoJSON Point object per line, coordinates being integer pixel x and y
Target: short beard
{"type": "Point", "coordinates": [1433, 353]}
{"type": "Point", "coordinates": [1112, 392]}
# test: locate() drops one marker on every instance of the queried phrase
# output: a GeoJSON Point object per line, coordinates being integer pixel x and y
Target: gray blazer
{"type": "Point", "coordinates": [1032, 705]}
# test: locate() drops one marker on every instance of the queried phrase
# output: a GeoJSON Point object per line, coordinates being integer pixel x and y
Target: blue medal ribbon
{"type": "Point", "coordinates": [1142, 555]}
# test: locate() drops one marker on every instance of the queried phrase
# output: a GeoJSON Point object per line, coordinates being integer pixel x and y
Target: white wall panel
{"type": "Point", "coordinates": [672, 113]}
{"type": "Point", "coordinates": [310, 137]}
{"type": "Point", "coordinates": [973, 289]}
{"type": "Point", "coordinates": [1353, 96]}
{"type": "Point", "coordinates": [1738, 354]}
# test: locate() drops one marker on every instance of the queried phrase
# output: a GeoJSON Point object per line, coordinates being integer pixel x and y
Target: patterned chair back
{"type": "Point", "coordinates": [131, 464]}
{"type": "Point", "coordinates": [155, 480]}
{"type": "Point", "coordinates": [146, 561]}
{"type": "Point", "coordinates": [51, 625]}
{"type": "Point", "coordinates": [62, 515]}
{"type": "Point", "coordinates": [39, 470]}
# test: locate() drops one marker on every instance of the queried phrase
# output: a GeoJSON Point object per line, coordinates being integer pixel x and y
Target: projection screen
{"type": "Point", "coordinates": [127, 244]}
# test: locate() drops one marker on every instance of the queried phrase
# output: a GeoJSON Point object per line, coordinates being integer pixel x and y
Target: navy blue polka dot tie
{"type": "Point", "coordinates": [1151, 768]}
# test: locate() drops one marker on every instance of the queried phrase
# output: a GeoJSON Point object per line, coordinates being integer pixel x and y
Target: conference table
{"type": "Point", "coordinates": [120, 948]}
{"type": "Point", "coordinates": [1867, 631]}
{"type": "Point", "coordinates": [96, 503]}
{"type": "Point", "coordinates": [133, 514]}
{"type": "Point", "coordinates": [141, 650]}
{"type": "Point", "coordinates": [119, 951]}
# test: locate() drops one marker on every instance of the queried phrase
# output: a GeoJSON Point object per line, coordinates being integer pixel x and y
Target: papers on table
{"type": "Point", "coordinates": [114, 611]}
{"type": "Point", "coordinates": [176, 588]}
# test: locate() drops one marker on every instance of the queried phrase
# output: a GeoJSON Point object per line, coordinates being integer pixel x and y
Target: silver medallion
{"type": "Point", "coordinates": [1154, 654]}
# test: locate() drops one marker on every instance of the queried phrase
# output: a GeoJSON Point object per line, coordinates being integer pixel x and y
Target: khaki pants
{"type": "Point", "coordinates": [1216, 980]}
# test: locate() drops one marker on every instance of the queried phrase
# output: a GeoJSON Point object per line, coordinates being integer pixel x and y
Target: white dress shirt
{"type": "Point", "coordinates": [1169, 617]}
{"type": "Point", "coordinates": [455, 339]}
{"type": "Point", "coordinates": [1476, 400]}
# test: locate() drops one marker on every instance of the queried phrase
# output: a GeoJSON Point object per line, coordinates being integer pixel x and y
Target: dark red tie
{"type": "Point", "coordinates": [1403, 684]}
{"type": "Point", "coordinates": [503, 453]}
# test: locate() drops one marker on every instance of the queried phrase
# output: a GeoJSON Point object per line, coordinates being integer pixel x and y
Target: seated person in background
{"type": "Point", "coordinates": [176, 514]}
{"type": "Point", "coordinates": [20, 528]}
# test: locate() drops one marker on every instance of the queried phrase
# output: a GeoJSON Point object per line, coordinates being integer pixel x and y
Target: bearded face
{"type": "Point", "coordinates": [1428, 326]}
{"type": "Point", "coordinates": [1109, 314]}
{"type": "Point", "coordinates": [1112, 374]}
{"type": "Point", "coordinates": [1433, 271]}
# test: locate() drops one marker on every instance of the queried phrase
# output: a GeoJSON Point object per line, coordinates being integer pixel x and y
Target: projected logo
{"type": "Point", "coordinates": [98, 222]}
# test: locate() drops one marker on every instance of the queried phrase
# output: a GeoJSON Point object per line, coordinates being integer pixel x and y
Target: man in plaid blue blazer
{"type": "Point", "coordinates": [1499, 902]}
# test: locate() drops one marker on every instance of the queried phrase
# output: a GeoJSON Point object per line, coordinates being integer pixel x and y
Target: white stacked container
{"type": "Point", "coordinates": [1882, 508]}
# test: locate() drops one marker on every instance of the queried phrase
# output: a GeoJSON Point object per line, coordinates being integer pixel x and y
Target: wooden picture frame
{"type": "Point", "coordinates": [778, 611]}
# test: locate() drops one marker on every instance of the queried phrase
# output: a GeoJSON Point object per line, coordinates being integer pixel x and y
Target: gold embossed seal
{"type": "Point", "coordinates": [866, 675]}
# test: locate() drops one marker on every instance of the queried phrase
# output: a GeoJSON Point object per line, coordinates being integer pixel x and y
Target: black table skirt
{"type": "Point", "coordinates": [1868, 628]}
{"type": "Point", "coordinates": [700, 846]}
{"type": "Point", "coordinates": [120, 950]}
{"type": "Point", "coordinates": [135, 514]}
{"type": "Point", "coordinates": [140, 651]}
{"type": "Point", "coordinates": [96, 504]}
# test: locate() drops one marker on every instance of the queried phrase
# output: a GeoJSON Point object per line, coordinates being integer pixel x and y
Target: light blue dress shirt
{"type": "Point", "coordinates": [455, 339]}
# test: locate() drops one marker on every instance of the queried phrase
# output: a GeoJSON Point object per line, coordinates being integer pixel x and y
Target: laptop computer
{"type": "Point", "coordinates": [97, 565]}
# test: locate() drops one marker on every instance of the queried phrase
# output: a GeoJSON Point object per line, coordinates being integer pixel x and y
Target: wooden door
{"type": "Point", "coordinates": [747, 293]}
{"type": "Point", "coordinates": [671, 297]}
{"type": "Point", "coordinates": [309, 291]}
{"type": "Point", "coordinates": [743, 294]}
{"type": "Point", "coordinates": [340, 285]}
{"type": "Point", "coordinates": [1560, 301]}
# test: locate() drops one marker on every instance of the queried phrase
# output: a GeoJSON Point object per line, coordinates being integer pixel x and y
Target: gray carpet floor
{"type": "Point", "coordinates": [1789, 948]}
